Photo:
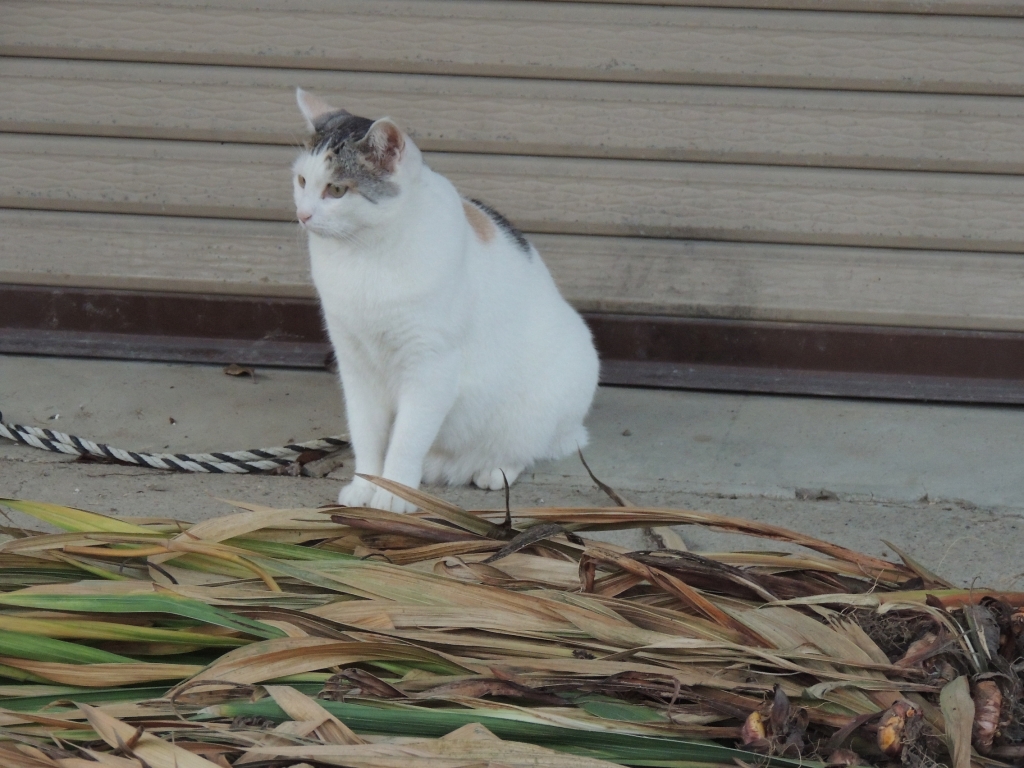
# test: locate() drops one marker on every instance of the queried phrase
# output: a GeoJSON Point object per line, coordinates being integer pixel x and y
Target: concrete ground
{"type": "Point", "coordinates": [945, 483]}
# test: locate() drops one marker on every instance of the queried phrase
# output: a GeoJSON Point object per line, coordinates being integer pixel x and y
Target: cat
{"type": "Point", "coordinates": [458, 357]}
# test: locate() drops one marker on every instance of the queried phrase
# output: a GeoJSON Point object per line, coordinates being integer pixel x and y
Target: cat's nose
{"type": "Point", "coordinates": [304, 217]}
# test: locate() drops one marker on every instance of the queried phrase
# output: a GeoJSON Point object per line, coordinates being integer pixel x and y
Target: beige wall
{"type": "Point", "coordinates": [757, 161]}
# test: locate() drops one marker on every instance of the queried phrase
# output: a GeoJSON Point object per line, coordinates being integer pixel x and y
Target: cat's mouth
{"type": "Point", "coordinates": [312, 226]}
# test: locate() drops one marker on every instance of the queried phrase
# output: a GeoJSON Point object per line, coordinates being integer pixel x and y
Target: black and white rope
{"type": "Point", "coordinates": [233, 462]}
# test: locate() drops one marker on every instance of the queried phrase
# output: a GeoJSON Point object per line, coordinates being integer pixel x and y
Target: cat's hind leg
{"type": "Point", "coordinates": [494, 479]}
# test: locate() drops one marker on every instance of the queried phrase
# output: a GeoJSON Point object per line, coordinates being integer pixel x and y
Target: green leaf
{"type": "Point", "coordinates": [98, 696]}
{"type": "Point", "coordinates": [38, 648]}
{"type": "Point", "coordinates": [71, 519]}
{"type": "Point", "coordinates": [620, 710]}
{"type": "Point", "coordinates": [114, 632]}
{"type": "Point", "coordinates": [142, 602]}
{"type": "Point", "coordinates": [13, 673]}
{"type": "Point", "coordinates": [85, 695]}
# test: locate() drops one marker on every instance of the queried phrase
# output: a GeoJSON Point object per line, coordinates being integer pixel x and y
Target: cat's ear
{"type": "Point", "coordinates": [383, 144]}
{"type": "Point", "coordinates": [313, 108]}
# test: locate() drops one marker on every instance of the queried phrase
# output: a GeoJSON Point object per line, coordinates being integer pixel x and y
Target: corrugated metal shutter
{"type": "Point", "coordinates": [724, 159]}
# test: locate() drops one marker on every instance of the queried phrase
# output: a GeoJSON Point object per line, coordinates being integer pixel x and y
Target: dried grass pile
{"type": "Point", "coordinates": [452, 638]}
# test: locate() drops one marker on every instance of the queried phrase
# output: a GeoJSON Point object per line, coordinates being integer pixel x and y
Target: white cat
{"type": "Point", "coordinates": [459, 359]}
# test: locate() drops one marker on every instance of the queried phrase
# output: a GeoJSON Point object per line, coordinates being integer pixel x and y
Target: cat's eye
{"type": "Point", "coordinates": [333, 190]}
{"type": "Point", "coordinates": [302, 181]}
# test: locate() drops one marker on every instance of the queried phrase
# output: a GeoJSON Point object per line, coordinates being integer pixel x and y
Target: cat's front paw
{"type": "Point", "coordinates": [358, 493]}
{"type": "Point", "coordinates": [388, 501]}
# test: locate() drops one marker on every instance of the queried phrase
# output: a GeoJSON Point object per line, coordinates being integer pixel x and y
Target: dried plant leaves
{"type": "Point", "coordinates": [451, 638]}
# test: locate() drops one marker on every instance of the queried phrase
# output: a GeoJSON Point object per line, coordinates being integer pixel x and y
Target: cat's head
{"type": "Point", "coordinates": [353, 173]}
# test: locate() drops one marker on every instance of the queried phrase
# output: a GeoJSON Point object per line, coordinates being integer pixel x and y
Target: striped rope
{"type": "Point", "coordinates": [234, 462]}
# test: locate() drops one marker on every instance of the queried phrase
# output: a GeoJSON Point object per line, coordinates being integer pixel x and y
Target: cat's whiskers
{"type": "Point", "coordinates": [300, 236]}
{"type": "Point", "coordinates": [353, 238]}
{"type": "Point", "coordinates": [347, 242]}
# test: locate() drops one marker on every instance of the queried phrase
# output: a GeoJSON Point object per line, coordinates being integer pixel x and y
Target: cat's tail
{"type": "Point", "coordinates": [569, 441]}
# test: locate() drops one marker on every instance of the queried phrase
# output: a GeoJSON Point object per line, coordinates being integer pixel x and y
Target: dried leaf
{"type": "Point", "coordinates": [103, 758]}
{"type": "Point", "coordinates": [676, 587]}
{"type": "Point", "coordinates": [780, 711]}
{"type": "Point", "coordinates": [103, 675]}
{"type": "Point", "coordinates": [274, 659]}
{"type": "Point", "coordinates": [530, 536]}
{"type": "Point", "coordinates": [240, 370]}
{"type": "Point", "coordinates": [298, 706]}
{"type": "Point", "coordinates": [419, 529]}
{"type": "Point", "coordinates": [958, 713]}
{"type": "Point", "coordinates": [12, 757]}
{"type": "Point", "coordinates": [984, 630]}
{"type": "Point", "coordinates": [666, 538]}
{"type": "Point", "coordinates": [146, 747]}
{"type": "Point", "coordinates": [930, 579]}
{"type": "Point", "coordinates": [368, 684]}
{"type": "Point", "coordinates": [433, 505]}
{"type": "Point", "coordinates": [614, 495]}
{"type": "Point", "coordinates": [491, 687]}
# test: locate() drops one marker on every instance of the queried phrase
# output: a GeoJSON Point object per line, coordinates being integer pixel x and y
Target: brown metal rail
{"type": "Point", "coordinates": [636, 350]}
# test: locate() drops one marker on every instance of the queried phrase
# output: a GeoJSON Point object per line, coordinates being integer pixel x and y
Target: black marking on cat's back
{"type": "Point", "coordinates": [505, 226]}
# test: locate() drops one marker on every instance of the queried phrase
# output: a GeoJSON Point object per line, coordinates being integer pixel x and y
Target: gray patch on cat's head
{"type": "Point", "coordinates": [342, 140]}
